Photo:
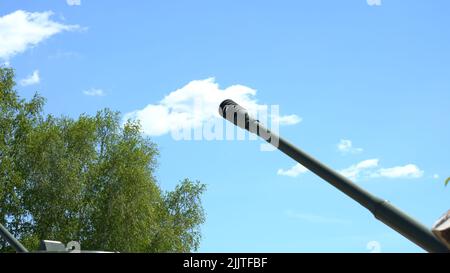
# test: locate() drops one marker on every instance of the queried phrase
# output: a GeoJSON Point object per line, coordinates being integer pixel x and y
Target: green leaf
{"type": "Point", "coordinates": [87, 179]}
{"type": "Point", "coordinates": [447, 181]}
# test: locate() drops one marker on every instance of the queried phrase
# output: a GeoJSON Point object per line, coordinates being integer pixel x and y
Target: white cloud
{"type": "Point", "coordinates": [374, 2]}
{"type": "Point", "coordinates": [354, 172]}
{"type": "Point", "coordinates": [295, 171]}
{"type": "Point", "coordinates": [346, 146]}
{"type": "Point", "coordinates": [73, 2]}
{"type": "Point", "coordinates": [289, 120]}
{"type": "Point", "coordinates": [314, 218]}
{"type": "Point", "coordinates": [407, 171]}
{"type": "Point", "coordinates": [369, 169]}
{"type": "Point", "coordinates": [31, 79]}
{"type": "Point", "coordinates": [436, 176]}
{"type": "Point", "coordinates": [194, 105]}
{"type": "Point", "coordinates": [94, 92]}
{"type": "Point", "coordinates": [21, 30]}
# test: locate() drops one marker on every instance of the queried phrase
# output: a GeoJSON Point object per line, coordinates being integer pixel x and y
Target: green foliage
{"type": "Point", "coordinates": [87, 179]}
{"type": "Point", "coordinates": [447, 181]}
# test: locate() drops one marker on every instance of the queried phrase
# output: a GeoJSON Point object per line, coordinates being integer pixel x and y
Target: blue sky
{"type": "Point", "coordinates": [361, 85]}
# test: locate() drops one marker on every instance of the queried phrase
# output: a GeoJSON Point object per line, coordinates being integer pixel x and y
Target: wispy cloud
{"type": "Point", "coordinates": [354, 171]}
{"type": "Point", "coordinates": [345, 146]}
{"type": "Point", "coordinates": [314, 218]}
{"type": "Point", "coordinates": [288, 120]}
{"type": "Point", "coordinates": [21, 30]}
{"type": "Point", "coordinates": [366, 169]}
{"type": "Point", "coordinates": [374, 2]}
{"type": "Point", "coordinates": [407, 171]}
{"type": "Point", "coordinates": [194, 105]}
{"type": "Point", "coordinates": [73, 2]}
{"type": "Point", "coordinates": [31, 79]}
{"type": "Point", "coordinates": [94, 92]}
{"type": "Point", "coordinates": [295, 171]}
{"type": "Point", "coordinates": [436, 176]}
{"type": "Point", "coordinates": [370, 169]}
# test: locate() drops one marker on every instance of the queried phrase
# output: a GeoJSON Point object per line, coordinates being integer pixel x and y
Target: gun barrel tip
{"type": "Point", "coordinates": [226, 102]}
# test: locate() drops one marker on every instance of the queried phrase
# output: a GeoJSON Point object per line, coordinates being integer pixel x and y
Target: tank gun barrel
{"type": "Point", "coordinates": [381, 209]}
